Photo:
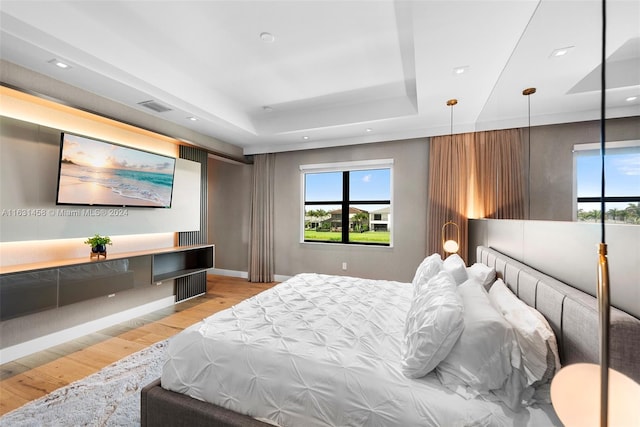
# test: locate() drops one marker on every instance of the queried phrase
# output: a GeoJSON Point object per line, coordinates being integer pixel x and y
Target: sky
{"type": "Point", "coordinates": [373, 184]}
{"type": "Point", "coordinates": [88, 152]}
{"type": "Point", "coordinates": [622, 176]}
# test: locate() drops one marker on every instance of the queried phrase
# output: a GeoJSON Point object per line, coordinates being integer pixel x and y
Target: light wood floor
{"type": "Point", "coordinates": [34, 376]}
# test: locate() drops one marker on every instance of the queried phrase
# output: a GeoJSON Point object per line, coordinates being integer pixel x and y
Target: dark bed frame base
{"type": "Point", "coordinates": [160, 407]}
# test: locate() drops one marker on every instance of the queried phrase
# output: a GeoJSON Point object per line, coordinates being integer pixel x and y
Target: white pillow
{"type": "Point", "coordinates": [484, 357]}
{"type": "Point", "coordinates": [483, 273]}
{"type": "Point", "coordinates": [535, 337]}
{"type": "Point", "coordinates": [428, 268]}
{"type": "Point", "coordinates": [454, 264]}
{"type": "Point", "coordinates": [434, 323]}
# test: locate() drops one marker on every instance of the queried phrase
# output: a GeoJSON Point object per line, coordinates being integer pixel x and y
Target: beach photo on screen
{"type": "Point", "coordinates": [100, 173]}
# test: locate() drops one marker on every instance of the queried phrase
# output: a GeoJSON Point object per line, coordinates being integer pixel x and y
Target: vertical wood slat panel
{"type": "Point", "coordinates": [191, 286]}
{"type": "Point", "coordinates": [195, 284]}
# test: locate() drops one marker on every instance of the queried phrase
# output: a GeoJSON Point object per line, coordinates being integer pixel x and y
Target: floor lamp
{"type": "Point", "coordinates": [586, 394]}
{"type": "Point", "coordinates": [450, 244]}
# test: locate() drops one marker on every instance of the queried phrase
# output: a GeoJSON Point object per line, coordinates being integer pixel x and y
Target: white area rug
{"type": "Point", "coordinates": [110, 397]}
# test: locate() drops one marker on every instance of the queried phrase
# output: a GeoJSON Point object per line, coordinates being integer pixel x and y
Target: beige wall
{"type": "Point", "coordinates": [409, 215]}
{"type": "Point", "coordinates": [552, 196]}
{"type": "Point", "coordinates": [230, 184]}
{"type": "Point", "coordinates": [229, 203]}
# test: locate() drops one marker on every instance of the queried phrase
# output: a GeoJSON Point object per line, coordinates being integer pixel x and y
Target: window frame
{"type": "Point", "coordinates": [595, 146]}
{"type": "Point", "coordinates": [346, 168]}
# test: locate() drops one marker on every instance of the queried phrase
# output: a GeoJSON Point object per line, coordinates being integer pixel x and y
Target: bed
{"type": "Point", "coordinates": [314, 351]}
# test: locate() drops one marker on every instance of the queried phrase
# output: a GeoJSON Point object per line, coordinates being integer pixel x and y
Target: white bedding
{"type": "Point", "coordinates": [322, 350]}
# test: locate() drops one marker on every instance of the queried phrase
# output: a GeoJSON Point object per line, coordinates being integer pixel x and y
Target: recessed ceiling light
{"type": "Point", "coordinates": [631, 98]}
{"type": "Point", "coordinates": [267, 37]}
{"type": "Point", "coordinates": [368, 130]}
{"type": "Point", "coordinates": [267, 109]}
{"type": "Point", "coordinates": [305, 137]}
{"type": "Point", "coordinates": [561, 51]}
{"type": "Point", "coordinates": [461, 70]}
{"type": "Point", "coordinates": [193, 119]}
{"type": "Point", "coordinates": [60, 64]}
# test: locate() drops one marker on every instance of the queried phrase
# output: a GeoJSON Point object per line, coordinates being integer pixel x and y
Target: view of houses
{"type": "Point", "coordinates": [359, 220]}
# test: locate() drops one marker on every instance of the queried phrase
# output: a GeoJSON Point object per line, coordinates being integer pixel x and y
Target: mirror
{"type": "Point", "coordinates": [563, 40]}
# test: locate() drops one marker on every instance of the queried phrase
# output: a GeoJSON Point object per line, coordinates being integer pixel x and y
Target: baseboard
{"type": "Point", "coordinates": [243, 274]}
{"type": "Point", "coordinates": [229, 273]}
{"type": "Point", "coordinates": [42, 343]}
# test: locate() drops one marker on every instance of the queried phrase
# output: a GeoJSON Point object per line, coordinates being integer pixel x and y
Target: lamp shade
{"type": "Point", "coordinates": [450, 246]}
{"type": "Point", "coordinates": [575, 393]}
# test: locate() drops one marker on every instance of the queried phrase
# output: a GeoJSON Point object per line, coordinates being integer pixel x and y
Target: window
{"type": "Point", "coordinates": [622, 182]}
{"type": "Point", "coordinates": [347, 202]}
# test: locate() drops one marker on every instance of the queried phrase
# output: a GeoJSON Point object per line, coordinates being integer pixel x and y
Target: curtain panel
{"type": "Point", "coordinates": [261, 254]}
{"type": "Point", "coordinates": [500, 174]}
{"type": "Point", "coordinates": [449, 177]}
{"type": "Point", "coordinates": [474, 175]}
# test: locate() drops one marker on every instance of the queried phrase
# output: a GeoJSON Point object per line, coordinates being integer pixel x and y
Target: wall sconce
{"type": "Point", "coordinates": [450, 246]}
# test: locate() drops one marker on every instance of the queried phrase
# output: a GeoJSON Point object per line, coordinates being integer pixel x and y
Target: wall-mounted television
{"type": "Point", "coordinates": [98, 173]}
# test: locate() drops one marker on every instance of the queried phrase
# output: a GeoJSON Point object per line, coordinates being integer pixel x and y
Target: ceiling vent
{"type": "Point", "coordinates": [155, 106]}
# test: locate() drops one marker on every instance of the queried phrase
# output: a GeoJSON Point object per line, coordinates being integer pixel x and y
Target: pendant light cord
{"type": "Point", "coordinates": [529, 157]}
{"type": "Point", "coordinates": [451, 122]}
{"type": "Point", "coordinates": [603, 265]}
{"type": "Point", "coordinates": [602, 120]}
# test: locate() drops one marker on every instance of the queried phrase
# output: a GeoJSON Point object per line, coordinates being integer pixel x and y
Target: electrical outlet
{"type": "Point", "coordinates": [344, 265]}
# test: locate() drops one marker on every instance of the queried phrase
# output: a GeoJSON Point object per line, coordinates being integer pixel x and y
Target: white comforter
{"type": "Point", "coordinates": [321, 350]}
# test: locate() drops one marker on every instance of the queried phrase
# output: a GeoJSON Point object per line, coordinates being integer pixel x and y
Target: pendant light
{"type": "Point", "coordinates": [451, 103]}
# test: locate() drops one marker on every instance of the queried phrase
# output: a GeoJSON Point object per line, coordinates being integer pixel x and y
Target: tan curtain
{"type": "Point", "coordinates": [500, 174]}
{"type": "Point", "coordinates": [261, 254]}
{"type": "Point", "coordinates": [474, 175]}
{"type": "Point", "coordinates": [449, 176]}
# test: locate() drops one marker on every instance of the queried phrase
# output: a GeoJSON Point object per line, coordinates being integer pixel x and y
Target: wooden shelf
{"type": "Point", "coordinates": [170, 265]}
{"type": "Point", "coordinates": [86, 260]}
{"type": "Point", "coordinates": [30, 288]}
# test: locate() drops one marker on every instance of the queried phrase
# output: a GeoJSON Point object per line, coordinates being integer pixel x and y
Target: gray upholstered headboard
{"type": "Point", "coordinates": [572, 313]}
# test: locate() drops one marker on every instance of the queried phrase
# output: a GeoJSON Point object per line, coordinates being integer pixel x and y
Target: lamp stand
{"type": "Point", "coordinates": [604, 310]}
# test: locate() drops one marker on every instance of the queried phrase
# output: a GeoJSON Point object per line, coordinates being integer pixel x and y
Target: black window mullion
{"type": "Point", "coordinates": [370, 202]}
{"type": "Point", "coordinates": [345, 207]}
{"type": "Point", "coordinates": [323, 202]}
{"type": "Point", "coordinates": [609, 199]}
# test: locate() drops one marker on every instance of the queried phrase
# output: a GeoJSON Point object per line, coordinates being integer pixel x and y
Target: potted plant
{"type": "Point", "coordinates": [98, 243]}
